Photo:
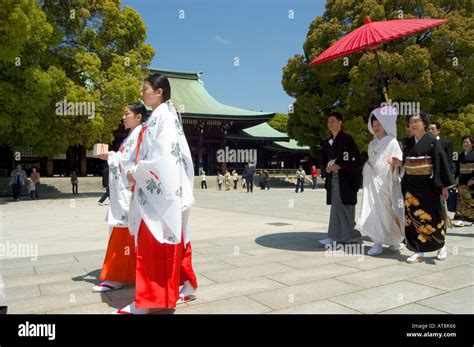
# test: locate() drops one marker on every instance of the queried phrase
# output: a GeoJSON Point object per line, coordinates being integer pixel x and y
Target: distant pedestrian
{"type": "Point", "coordinates": [249, 172]}
{"type": "Point", "coordinates": [74, 182]}
{"type": "Point", "coordinates": [220, 180]}
{"type": "Point", "coordinates": [314, 176]}
{"type": "Point", "coordinates": [34, 183]}
{"type": "Point", "coordinates": [105, 184]}
{"type": "Point", "coordinates": [203, 180]}
{"type": "Point", "coordinates": [300, 177]}
{"type": "Point", "coordinates": [17, 181]}
{"type": "Point", "coordinates": [266, 176]}
{"type": "Point", "coordinates": [227, 180]}
{"type": "Point", "coordinates": [261, 180]}
{"type": "Point", "coordinates": [235, 178]}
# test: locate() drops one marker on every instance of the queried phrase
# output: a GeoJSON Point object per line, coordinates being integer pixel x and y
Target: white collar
{"type": "Point", "coordinates": [416, 140]}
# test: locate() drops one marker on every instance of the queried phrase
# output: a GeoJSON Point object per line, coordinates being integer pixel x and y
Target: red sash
{"type": "Point", "coordinates": [139, 142]}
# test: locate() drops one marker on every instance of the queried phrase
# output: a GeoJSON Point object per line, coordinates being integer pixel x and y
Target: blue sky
{"type": "Point", "coordinates": [214, 32]}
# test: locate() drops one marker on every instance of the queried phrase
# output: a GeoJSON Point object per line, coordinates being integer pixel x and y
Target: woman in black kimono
{"type": "Point", "coordinates": [425, 182]}
{"type": "Point", "coordinates": [465, 173]}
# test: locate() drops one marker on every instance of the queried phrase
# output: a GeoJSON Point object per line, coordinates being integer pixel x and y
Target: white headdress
{"type": "Point", "coordinates": [387, 116]}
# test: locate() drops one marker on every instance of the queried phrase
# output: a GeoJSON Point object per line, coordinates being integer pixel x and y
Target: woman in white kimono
{"type": "Point", "coordinates": [160, 206]}
{"type": "Point", "coordinates": [382, 211]}
{"type": "Point", "coordinates": [119, 263]}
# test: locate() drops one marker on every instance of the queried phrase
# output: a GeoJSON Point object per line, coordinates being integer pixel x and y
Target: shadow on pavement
{"type": "Point", "coordinates": [90, 277]}
{"type": "Point", "coordinates": [308, 242]}
{"type": "Point", "coordinates": [293, 241]}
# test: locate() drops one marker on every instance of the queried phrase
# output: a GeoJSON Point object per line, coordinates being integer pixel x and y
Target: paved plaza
{"type": "Point", "coordinates": [253, 253]}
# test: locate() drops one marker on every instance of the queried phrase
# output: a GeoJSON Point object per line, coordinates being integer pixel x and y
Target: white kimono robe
{"type": "Point", "coordinates": [119, 187]}
{"type": "Point", "coordinates": [382, 210]}
{"type": "Point", "coordinates": [164, 177]}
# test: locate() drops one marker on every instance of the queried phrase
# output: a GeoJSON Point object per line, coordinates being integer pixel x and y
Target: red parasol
{"type": "Point", "coordinates": [371, 35]}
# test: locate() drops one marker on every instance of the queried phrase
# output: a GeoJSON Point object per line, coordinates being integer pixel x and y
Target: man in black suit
{"type": "Point", "coordinates": [341, 167]}
{"type": "Point", "coordinates": [249, 173]}
{"type": "Point", "coordinates": [435, 129]}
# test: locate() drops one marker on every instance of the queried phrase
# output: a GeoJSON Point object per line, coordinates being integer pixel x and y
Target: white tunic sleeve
{"type": "Point", "coordinates": [119, 187]}
{"type": "Point", "coordinates": [395, 150]}
{"type": "Point", "coordinates": [164, 177]}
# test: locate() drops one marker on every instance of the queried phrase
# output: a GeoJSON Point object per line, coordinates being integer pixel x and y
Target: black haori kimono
{"type": "Point", "coordinates": [342, 187]}
{"type": "Point", "coordinates": [427, 171]}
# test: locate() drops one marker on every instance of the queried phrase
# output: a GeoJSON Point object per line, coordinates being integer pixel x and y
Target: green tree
{"type": "Point", "coordinates": [79, 51]}
{"type": "Point", "coordinates": [433, 68]}
{"type": "Point", "coordinates": [279, 122]}
{"type": "Point", "coordinates": [456, 126]}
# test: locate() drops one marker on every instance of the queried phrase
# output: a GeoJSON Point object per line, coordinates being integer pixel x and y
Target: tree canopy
{"type": "Point", "coordinates": [434, 67]}
{"type": "Point", "coordinates": [78, 51]}
{"type": "Point", "coordinates": [279, 122]}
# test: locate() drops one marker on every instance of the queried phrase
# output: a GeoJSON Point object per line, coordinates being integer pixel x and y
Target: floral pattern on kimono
{"type": "Point", "coordinates": [164, 178]}
{"type": "Point", "coordinates": [420, 221]}
{"type": "Point", "coordinates": [119, 187]}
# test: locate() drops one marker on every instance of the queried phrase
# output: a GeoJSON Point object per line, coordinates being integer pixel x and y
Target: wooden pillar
{"type": "Point", "coordinates": [260, 159]}
{"type": "Point", "coordinates": [82, 161]}
{"type": "Point", "coordinates": [200, 153]}
{"type": "Point", "coordinates": [223, 128]}
{"type": "Point", "coordinates": [70, 161]}
{"type": "Point", "coordinates": [49, 167]}
{"type": "Point", "coordinates": [223, 164]}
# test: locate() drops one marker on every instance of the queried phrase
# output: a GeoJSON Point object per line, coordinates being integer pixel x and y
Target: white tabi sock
{"type": "Point", "coordinates": [113, 284]}
{"type": "Point", "coordinates": [134, 310]}
{"type": "Point", "coordinates": [187, 289]}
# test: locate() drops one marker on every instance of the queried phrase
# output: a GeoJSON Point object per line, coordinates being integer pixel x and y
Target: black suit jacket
{"type": "Point", "coordinates": [249, 172]}
{"type": "Point", "coordinates": [448, 149]}
{"type": "Point", "coordinates": [347, 155]}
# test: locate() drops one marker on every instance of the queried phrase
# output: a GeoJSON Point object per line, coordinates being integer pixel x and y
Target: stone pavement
{"type": "Point", "coordinates": [253, 253]}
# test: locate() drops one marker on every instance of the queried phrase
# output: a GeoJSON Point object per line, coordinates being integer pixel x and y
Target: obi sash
{"type": "Point", "coordinates": [466, 169]}
{"type": "Point", "coordinates": [419, 166]}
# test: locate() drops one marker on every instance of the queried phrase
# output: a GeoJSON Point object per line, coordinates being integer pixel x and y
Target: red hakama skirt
{"type": "Point", "coordinates": [119, 263]}
{"type": "Point", "coordinates": [160, 269]}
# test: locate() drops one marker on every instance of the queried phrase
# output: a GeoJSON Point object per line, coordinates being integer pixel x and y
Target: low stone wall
{"type": "Point", "coordinates": [62, 185]}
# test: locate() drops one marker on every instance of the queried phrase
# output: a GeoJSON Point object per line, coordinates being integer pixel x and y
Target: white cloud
{"type": "Point", "coordinates": [221, 40]}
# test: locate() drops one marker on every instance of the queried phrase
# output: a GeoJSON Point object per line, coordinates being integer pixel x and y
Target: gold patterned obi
{"type": "Point", "coordinates": [466, 169]}
{"type": "Point", "coordinates": [418, 166]}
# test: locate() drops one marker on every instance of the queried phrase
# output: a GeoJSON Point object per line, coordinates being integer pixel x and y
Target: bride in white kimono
{"type": "Point", "coordinates": [382, 211]}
